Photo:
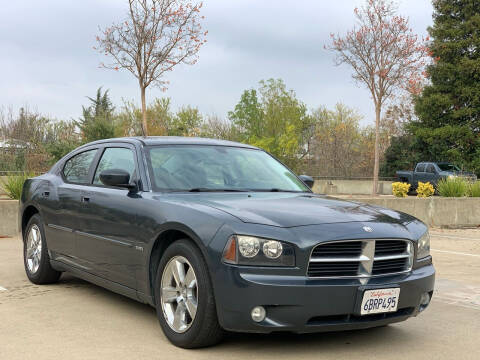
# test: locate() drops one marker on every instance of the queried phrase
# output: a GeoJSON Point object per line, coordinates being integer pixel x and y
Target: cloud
{"type": "Point", "coordinates": [48, 62]}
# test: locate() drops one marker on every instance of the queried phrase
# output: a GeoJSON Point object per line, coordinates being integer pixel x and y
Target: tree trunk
{"type": "Point", "coordinates": [378, 110]}
{"type": "Point", "coordinates": [144, 112]}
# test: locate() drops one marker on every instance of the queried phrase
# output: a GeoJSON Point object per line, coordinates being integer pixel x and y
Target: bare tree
{"type": "Point", "coordinates": [156, 36]}
{"type": "Point", "coordinates": [384, 54]}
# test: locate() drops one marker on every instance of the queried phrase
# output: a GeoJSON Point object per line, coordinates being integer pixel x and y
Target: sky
{"type": "Point", "coordinates": [47, 60]}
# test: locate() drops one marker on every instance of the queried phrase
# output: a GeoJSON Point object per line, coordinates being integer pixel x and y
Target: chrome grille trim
{"type": "Point", "coordinates": [369, 264]}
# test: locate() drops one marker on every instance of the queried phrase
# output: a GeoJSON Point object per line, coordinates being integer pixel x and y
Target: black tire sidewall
{"type": "Point", "coordinates": [205, 293]}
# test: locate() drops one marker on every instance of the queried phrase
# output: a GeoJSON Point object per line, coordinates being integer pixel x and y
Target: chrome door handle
{"type": "Point", "coordinates": [85, 199]}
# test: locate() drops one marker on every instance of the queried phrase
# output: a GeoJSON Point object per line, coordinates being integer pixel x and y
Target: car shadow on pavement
{"type": "Point", "coordinates": [279, 342]}
{"type": "Point", "coordinates": [297, 343]}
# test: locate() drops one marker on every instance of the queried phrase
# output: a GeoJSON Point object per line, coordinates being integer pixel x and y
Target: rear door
{"type": "Point", "coordinates": [430, 174]}
{"type": "Point", "coordinates": [75, 177]}
{"type": "Point", "coordinates": [419, 174]}
{"type": "Point", "coordinates": [108, 227]}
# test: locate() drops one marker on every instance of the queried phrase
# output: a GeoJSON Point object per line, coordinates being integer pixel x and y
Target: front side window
{"type": "Point", "coordinates": [420, 168]}
{"type": "Point", "coordinates": [76, 169]}
{"type": "Point", "coordinates": [115, 158]}
{"type": "Point", "coordinates": [430, 168]}
{"type": "Point", "coordinates": [218, 168]}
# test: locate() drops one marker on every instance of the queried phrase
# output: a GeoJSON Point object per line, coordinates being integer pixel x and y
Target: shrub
{"type": "Point", "coordinates": [474, 190]}
{"type": "Point", "coordinates": [400, 189]}
{"type": "Point", "coordinates": [452, 187]}
{"type": "Point", "coordinates": [13, 184]}
{"type": "Point", "coordinates": [425, 189]}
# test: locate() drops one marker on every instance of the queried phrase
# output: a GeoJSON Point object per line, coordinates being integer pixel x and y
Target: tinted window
{"type": "Point", "coordinates": [115, 158]}
{"type": "Point", "coordinates": [420, 168]}
{"type": "Point", "coordinates": [430, 168]}
{"type": "Point", "coordinates": [185, 167]}
{"type": "Point", "coordinates": [76, 168]}
{"type": "Point", "coordinates": [448, 167]}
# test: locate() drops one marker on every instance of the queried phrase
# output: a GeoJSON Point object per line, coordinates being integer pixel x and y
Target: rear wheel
{"type": "Point", "coordinates": [35, 254]}
{"type": "Point", "coordinates": [184, 297]}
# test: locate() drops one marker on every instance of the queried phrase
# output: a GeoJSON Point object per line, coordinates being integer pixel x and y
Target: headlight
{"type": "Point", "coordinates": [452, 176]}
{"type": "Point", "coordinates": [423, 246]}
{"type": "Point", "coordinates": [250, 250]}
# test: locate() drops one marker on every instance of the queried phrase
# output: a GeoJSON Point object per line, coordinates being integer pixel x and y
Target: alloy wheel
{"type": "Point", "coordinates": [34, 249]}
{"type": "Point", "coordinates": [179, 294]}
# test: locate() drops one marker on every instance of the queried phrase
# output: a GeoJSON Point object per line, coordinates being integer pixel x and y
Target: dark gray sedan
{"type": "Point", "coordinates": [221, 236]}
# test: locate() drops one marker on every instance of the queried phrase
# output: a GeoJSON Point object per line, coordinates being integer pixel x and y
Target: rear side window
{"type": "Point", "coordinates": [430, 168]}
{"type": "Point", "coordinates": [76, 168]}
{"type": "Point", "coordinates": [115, 158]}
{"type": "Point", "coordinates": [420, 168]}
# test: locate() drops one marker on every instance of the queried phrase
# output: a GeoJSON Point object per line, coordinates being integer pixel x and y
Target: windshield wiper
{"type": "Point", "coordinates": [279, 190]}
{"type": "Point", "coordinates": [200, 189]}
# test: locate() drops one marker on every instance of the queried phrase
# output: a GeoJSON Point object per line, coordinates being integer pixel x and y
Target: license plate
{"type": "Point", "coordinates": [380, 301]}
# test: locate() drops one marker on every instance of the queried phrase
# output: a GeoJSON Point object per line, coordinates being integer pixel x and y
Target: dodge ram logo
{"type": "Point", "coordinates": [367, 229]}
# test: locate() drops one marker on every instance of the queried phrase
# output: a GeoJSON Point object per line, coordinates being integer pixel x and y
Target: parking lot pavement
{"type": "Point", "coordinates": [76, 320]}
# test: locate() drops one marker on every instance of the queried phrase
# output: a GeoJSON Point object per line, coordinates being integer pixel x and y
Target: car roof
{"type": "Point", "coordinates": [173, 140]}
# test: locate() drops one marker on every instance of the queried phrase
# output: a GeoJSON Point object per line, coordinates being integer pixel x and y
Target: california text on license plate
{"type": "Point", "coordinates": [380, 301]}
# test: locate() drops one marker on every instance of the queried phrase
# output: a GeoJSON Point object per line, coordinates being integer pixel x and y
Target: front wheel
{"type": "Point", "coordinates": [35, 254]}
{"type": "Point", "coordinates": [184, 297]}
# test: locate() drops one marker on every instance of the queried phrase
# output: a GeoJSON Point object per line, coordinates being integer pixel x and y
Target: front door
{"type": "Point", "coordinates": [107, 230]}
{"type": "Point", "coordinates": [62, 217]}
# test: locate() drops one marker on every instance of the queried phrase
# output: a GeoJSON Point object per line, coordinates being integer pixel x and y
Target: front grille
{"type": "Point", "coordinates": [361, 258]}
{"type": "Point", "coordinates": [345, 248]}
{"type": "Point", "coordinates": [389, 266]}
{"type": "Point", "coordinates": [390, 247]}
{"type": "Point", "coordinates": [345, 268]}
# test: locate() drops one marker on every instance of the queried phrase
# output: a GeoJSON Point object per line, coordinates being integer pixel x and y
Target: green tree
{"type": "Point", "coordinates": [62, 138]}
{"type": "Point", "coordinates": [453, 97]}
{"type": "Point", "coordinates": [449, 107]}
{"type": "Point", "coordinates": [97, 121]}
{"type": "Point", "coordinates": [274, 119]}
{"type": "Point", "coordinates": [248, 114]}
{"type": "Point", "coordinates": [186, 122]}
{"type": "Point", "coordinates": [402, 154]}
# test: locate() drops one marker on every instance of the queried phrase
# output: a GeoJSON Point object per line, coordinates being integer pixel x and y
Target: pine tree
{"type": "Point", "coordinates": [453, 98]}
{"type": "Point", "coordinates": [97, 120]}
{"type": "Point", "coordinates": [448, 109]}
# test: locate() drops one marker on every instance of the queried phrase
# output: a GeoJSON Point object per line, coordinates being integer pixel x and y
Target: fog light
{"type": "Point", "coordinates": [258, 313]}
{"type": "Point", "coordinates": [424, 301]}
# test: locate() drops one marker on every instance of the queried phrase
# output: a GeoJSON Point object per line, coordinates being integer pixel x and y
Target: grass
{"type": "Point", "coordinates": [13, 185]}
{"type": "Point", "coordinates": [453, 187]}
{"type": "Point", "coordinates": [474, 190]}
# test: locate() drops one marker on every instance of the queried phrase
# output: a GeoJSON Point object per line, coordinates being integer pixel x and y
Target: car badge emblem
{"type": "Point", "coordinates": [367, 229]}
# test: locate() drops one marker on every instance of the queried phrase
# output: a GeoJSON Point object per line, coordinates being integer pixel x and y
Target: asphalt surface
{"type": "Point", "coordinates": [76, 320]}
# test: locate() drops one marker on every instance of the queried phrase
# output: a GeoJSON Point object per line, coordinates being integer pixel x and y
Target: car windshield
{"type": "Point", "coordinates": [218, 168]}
{"type": "Point", "coordinates": [448, 167]}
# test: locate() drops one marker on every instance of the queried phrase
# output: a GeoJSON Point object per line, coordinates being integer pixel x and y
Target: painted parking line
{"type": "Point", "coordinates": [456, 253]}
{"type": "Point", "coordinates": [454, 237]}
{"type": "Point", "coordinates": [2, 289]}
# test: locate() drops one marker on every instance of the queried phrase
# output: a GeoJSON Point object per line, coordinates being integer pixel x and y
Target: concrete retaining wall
{"type": "Point", "coordinates": [434, 211]}
{"type": "Point", "coordinates": [8, 217]}
{"type": "Point", "coordinates": [351, 187]}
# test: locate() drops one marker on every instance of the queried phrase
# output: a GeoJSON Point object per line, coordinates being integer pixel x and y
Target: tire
{"type": "Point", "coordinates": [35, 258]}
{"type": "Point", "coordinates": [202, 329]}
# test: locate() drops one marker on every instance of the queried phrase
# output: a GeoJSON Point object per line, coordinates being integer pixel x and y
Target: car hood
{"type": "Point", "coordinates": [292, 209]}
{"type": "Point", "coordinates": [458, 173]}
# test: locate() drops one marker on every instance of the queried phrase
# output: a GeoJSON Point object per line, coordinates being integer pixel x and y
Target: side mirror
{"type": "Point", "coordinates": [308, 180]}
{"type": "Point", "coordinates": [117, 178]}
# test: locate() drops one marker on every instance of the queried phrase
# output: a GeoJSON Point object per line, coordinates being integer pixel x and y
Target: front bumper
{"type": "Point", "coordinates": [300, 304]}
